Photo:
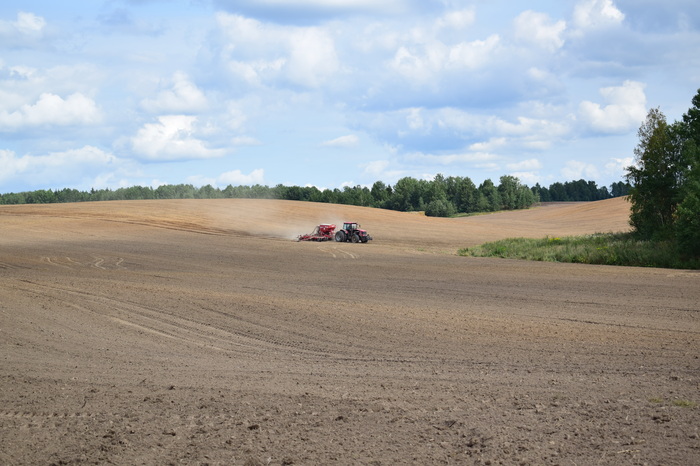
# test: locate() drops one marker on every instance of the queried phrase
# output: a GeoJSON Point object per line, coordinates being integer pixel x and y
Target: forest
{"type": "Point", "coordinates": [440, 197]}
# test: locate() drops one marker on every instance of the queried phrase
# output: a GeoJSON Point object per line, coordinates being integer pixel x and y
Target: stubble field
{"type": "Point", "coordinates": [200, 332]}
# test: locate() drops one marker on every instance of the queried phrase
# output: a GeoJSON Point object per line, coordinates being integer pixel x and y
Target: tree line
{"type": "Point", "coordinates": [581, 190]}
{"type": "Point", "coordinates": [440, 197]}
{"type": "Point", "coordinates": [665, 180]}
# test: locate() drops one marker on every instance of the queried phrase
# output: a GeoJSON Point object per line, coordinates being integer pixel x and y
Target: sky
{"type": "Point", "coordinates": [334, 93]}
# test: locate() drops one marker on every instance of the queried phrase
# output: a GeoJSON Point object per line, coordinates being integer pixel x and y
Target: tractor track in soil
{"type": "Point", "coordinates": [128, 337]}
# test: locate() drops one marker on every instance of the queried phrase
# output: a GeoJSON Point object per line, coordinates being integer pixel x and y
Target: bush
{"type": "Point", "coordinates": [604, 249]}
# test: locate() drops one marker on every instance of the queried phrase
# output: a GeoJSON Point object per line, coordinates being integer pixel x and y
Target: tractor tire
{"type": "Point", "coordinates": [340, 237]}
{"type": "Point", "coordinates": [355, 238]}
{"type": "Point", "coordinates": [364, 240]}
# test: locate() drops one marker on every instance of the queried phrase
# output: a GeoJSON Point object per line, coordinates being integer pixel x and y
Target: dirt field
{"type": "Point", "coordinates": [199, 332]}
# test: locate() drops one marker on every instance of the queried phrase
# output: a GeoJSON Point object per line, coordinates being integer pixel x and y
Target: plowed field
{"type": "Point", "coordinates": [200, 332]}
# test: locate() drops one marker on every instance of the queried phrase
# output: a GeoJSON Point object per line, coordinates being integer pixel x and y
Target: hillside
{"type": "Point", "coordinates": [288, 219]}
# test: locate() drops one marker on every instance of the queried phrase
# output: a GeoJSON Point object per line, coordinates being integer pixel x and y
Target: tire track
{"type": "Point", "coordinates": [344, 254]}
{"type": "Point", "coordinates": [96, 262]}
{"type": "Point", "coordinates": [189, 331]}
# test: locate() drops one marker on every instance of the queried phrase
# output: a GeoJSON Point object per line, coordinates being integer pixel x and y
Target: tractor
{"type": "Point", "coordinates": [351, 232]}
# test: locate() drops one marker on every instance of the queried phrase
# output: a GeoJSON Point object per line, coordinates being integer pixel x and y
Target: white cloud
{"type": "Point", "coordinates": [312, 57]}
{"type": "Point", "coordinates": [473, 55]}
{"type": "Point", "coordinates": [416, 67]}
{"type": "Point", "coordinates": [617, 166]}
{"type": "Point", "coordinates": [414, 120]}
{"type": "Point", "coordinates": [488, 146]}
{"type": "Point", "coordinates": [576, 170]}
{"type": "Point", "coordinates": [263, 53]}
{"type": "Point", "coordinates": [381, 170]}
{"type": "Point", "coordinates": [52, 110]}
{"type": "Point", "coordinates": [526, 128]}
{"type": "Point", "coordinates": [245, 141]}
{"type": "Point", "coordinates": [183, 97]}
{"type": "Point", "coordinates": [29, 23]}
{"type": "Point", "coordinates": [527, 178]}
{"type": "Point", "coordinates": [233, 177]}
{"type": "Point", "coordinates": [539, 29]}
{"type": "Point", "coordinates": [172, 138]}
{"type": "Point", "coordinates": [376, 168]}
{"type": "Point", "coordinates": [530, 164]}
{"type": "Point", "coordinates": [423, 60]}
{"type": "Point", "coordinates": [66, 168]}
{"type": "Point", "coordinates": [625, 109]}
{"type": "Point", "coordinates": [453, 130]}
{"type": "Point", "coordinates": [307, 10]}
{"type": "Point", "coordinates": [236, 177]}
{"type": "Point", "coordinates": [350, 140]}
{"type": "Point", "coordinates": [459, 19]}
{"type": "Point", "coordinates": [449, 159]}
{"type": "Point", "coordinates": [593, 14]}
{"type": "Point", "coordinates": [24, 31]}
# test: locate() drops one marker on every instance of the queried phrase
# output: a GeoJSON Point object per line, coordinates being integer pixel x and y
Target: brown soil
{"type": "Point", "coordinates": [199, 332]}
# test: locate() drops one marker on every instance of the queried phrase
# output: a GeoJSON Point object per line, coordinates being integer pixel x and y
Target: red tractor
{"type": "Point", "coordinates": [351, 232]}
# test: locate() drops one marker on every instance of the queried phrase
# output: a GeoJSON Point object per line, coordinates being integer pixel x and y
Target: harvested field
{"type": "Point", "coordinates": [200, 332]}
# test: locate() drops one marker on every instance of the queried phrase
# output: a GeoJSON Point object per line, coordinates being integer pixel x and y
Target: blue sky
{"type": "Point", "coordinates": [331, 93]}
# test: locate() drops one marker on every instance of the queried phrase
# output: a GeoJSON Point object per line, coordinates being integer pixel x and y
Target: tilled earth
{"type": "Point", "coordinates": [198, 332]}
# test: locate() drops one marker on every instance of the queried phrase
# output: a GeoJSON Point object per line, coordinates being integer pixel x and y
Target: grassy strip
{"type": "Point", "coordinates": [600, 248]}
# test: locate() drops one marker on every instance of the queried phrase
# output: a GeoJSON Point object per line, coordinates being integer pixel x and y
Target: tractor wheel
{"type": "Point", "coordinates": [364, 240]}
{"type": "Point", "coordinates": [355, 238]}
{"type": "Point", "coordinates": [340, 237]}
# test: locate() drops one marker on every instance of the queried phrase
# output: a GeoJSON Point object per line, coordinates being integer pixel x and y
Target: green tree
{"type": "Point", "coordinates": [508, 191]}
{"type": "Point", "coordinates": [557, 192]}
{"type": "Point", "coordinates": [208, 192]}
{"type": "Point", "coordinates": [14, 198]}
{"type": "Point", "coordinates": [406, 196]}
{"type": "Point", "coordinates": [69, 195]}
{"type": "Point", "coordinates": [656, 177]}
{"type": "Point", "coordinates": [620, 189]}
{"type": "Point", "coordinates": [691, 122]}
{"type": "Point", "coordinates": [688, 219]}
{"type": "Point", "coordinates": [688, 213]}
{"type": "Point", "coordinates": [41, 196]}
{"type": "Point", "coordinates": [541, 193]}
{"type": "Point", "coordinates": [380, 193]}
{"type": "Point", "coordinates": [525, 198]}
{"type": "Point", "coordinates": [461, 193]}
{"type": "Point", "coordinates": [490, 199]}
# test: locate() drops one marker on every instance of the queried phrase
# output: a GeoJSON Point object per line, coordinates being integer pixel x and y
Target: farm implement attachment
{"type": "Point", "coordinates": [323, 232]}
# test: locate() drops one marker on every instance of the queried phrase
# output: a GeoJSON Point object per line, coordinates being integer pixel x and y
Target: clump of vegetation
{"type": "Point", "coordinates": [681, 403]}
{"type": "Point", "coordinates": [685, 403]}
{"type": "Point", "coordinates": [624, 249]}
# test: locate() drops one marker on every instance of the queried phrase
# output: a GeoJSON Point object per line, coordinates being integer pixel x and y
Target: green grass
{"type": "Point", "coordinates": [680, 403]}
{"type": "Point", "coordinates": [474, 214]}
{"type": "Point", "coordinates": [684, 403]}
{"type": "Point", "coordinates": [600, 248]}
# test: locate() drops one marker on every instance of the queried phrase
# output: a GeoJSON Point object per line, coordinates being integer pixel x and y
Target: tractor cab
{"type": "Point", "coordinates": [350, 226]}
